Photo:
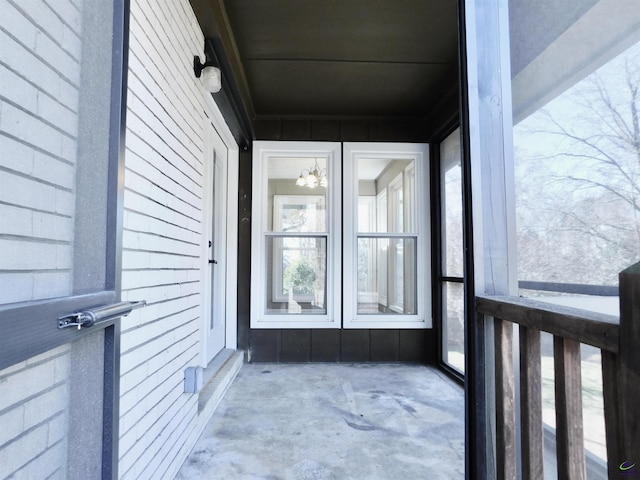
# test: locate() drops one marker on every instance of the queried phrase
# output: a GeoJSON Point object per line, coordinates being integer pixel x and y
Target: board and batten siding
{"type": "Point", "coordinates": [323, 345]}
{"type": "Point", "coordinates": [161, 262]}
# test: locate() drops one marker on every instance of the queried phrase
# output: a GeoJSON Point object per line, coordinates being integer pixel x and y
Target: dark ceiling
{"type": "Point", "coordinates": [378, 59]}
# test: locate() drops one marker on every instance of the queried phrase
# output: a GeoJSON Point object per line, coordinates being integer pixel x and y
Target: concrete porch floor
{"type": "Point", "coordinates": [334, 421]}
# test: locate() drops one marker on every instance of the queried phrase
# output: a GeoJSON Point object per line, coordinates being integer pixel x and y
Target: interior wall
{"type": "Point", "coordinates": [323, 345]}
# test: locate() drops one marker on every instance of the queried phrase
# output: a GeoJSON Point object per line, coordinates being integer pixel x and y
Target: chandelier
{"type": "Point", "coordinates": [314, 176]}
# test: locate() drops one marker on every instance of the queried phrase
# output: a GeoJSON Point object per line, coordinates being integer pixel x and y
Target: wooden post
{"type": "Point", "coordinates": [532, 446]}
{"type": "Point", "coordinates": [569, 427]}
{"type": "Point", "coordinates": [489, 195]}
{"type": "Point", "coordinates": [506, 448]}
{"type": "Point", "coordinates": [621, 382]}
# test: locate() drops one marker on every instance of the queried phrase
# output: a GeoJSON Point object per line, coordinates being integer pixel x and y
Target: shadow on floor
{"type": "Point", "coordinates": [334, 421]}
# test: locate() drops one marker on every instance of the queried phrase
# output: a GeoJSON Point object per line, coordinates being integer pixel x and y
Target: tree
{"type": "Point", "coordinates": [578, 169]}
{"type": "Point", "coordinates": [300, 276]}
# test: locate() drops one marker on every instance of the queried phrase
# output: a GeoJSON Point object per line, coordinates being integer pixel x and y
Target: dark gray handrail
{"type": "Point", "coordinates": [575, 288]}
{"type": "Point", "coordinates": [592, 328]}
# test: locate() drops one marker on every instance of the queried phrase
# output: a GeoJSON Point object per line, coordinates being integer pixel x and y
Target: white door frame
{"type": "Point", "coordinates": [216, 119]}
{"type": "Point", "coordinates": [214, 238]}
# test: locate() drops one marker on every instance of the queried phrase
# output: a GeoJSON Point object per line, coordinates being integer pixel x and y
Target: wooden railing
{"type": "Point", "coordinates": [619, 341]}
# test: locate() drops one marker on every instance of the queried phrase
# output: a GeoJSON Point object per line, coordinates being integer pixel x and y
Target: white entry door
{"type": "Point", "coordinates": [214, 327]}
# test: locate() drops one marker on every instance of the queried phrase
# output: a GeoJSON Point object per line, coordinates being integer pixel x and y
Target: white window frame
{"type": "Point", "coordinates": [262, 151]}
{"type": "Point", "coordinates": [370, 204]}
{"type": "Point", "coordinates": [381, 226]}
{"type": "Point", "coordinates": [419, 153]}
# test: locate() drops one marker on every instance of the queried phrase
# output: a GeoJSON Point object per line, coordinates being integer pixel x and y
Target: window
{"type": "Point", "coordinates": [452, 263]}
{"type": "Point", "coordinates": [296, 235]}
{"type": "Point", "coordinates": [298, 272]}
{"type": "Point", "coordinates": [385, 243]}
{"type": "Point", "coordinates": [298, 278]}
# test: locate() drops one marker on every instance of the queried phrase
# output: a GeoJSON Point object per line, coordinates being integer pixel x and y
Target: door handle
{"type": "Point", "coordinates": [89, 318]}
{"type": "Point", "coordinates": [215, 262]}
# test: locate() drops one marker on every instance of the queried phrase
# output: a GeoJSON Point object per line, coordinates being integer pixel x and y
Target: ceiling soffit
{"type": "Point", "coordinates": [347, 58]}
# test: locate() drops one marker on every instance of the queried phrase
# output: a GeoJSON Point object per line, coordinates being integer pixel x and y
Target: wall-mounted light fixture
{"type": "Point", "coordinates": [210, 73]}
{"type": "Point", "coordinates": [315, 176]}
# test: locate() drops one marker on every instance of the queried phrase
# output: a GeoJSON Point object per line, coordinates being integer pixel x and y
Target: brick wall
{"type": "Point", "coordinates": [40, 75]}
{"type": "Point", "coordinates": [34, 416]}
{"type": "Point", "coordinates": [39, 102]}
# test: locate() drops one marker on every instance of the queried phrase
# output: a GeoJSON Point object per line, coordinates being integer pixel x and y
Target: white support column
{"type": "Point", "coordinates": [487, 126]}
{"type": "Point", "coordinates": [491, 147]}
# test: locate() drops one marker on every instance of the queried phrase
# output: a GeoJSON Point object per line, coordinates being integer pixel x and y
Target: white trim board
{"type": "Point", "coordinates": [216, 119]}
{"type": "Point", "coordinates": [262, 152]}
{"type": "Point", "coordinates": [419, 230]}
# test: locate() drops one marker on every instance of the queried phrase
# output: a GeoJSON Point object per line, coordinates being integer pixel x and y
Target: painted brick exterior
{"type": "Point", "coordinates": [40, 75]}
{"type": "Point", "coordinates": [33, 415]}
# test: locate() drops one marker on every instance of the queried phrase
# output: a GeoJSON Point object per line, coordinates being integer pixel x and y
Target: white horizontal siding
{"type": "Point", "coordinates": [155, 277]}
{"type": "Point", "coordinates": [164, 195]}
{"type": "Point", "coordinates": [145, 203]}
{"type": "Point", "coordinates": [165, 179]}
{"type": "Point", "coordinates": [141, 222]}
{"type": "Point", "coordinates": [170, 328]}
{"type": "Point", "coordinates": [187, 167]}
{"type": "Point", "coordinates": [161, 120]}
{"type": "Point", "coordinates": [162, 239]}
{"type": "Point", "coordinates": [152, 242]}
{"type": "Point", "coordinates": [161, 392]}
{"type": "Point", "coordinates": [146, 394]}
{"type": "Point", "coordinates": [170, 40]}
